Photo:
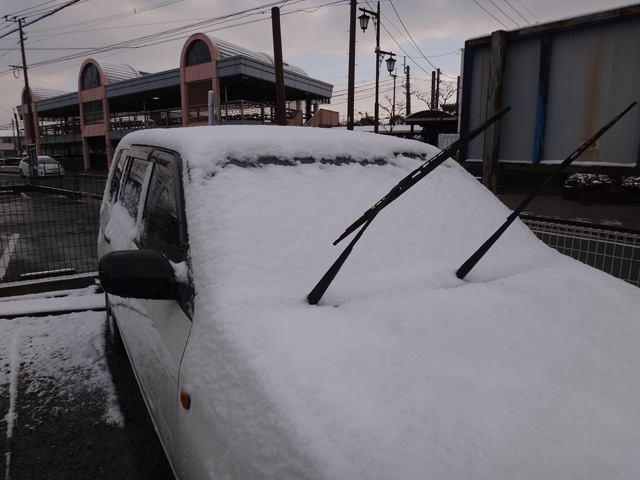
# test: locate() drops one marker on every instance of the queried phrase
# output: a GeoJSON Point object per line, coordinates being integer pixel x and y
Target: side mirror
{"type": "Point", "coordinates": [137, 274]}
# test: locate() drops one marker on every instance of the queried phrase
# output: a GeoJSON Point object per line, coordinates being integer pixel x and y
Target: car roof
{"type": "Point", "coordinates": [216, 146]}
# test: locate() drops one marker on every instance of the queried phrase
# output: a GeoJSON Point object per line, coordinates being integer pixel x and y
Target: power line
{"type": "Point", "coordinates": [503, 12]}
{"type": "Point", "coordinates": [48, 14]}
{"type": "Point", "coordinates": [528, 11]}
{"type": "Point", "coordinates": [489, 13]}
{"type": "Point", "coordinates": [514, 9]}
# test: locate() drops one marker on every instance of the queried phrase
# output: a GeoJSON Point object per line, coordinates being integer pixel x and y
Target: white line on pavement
{"type": "Point", "coordinates": [6, 254]}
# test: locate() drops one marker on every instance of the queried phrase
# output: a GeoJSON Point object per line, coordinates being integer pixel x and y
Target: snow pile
{"type": "Point", "coordinates": [528, 369]}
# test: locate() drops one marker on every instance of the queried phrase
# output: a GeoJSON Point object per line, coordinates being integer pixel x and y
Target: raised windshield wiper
{"type": "Point", "coordinates": [475, 258]}
{"type": "Point", "coordinates": [405, 184]}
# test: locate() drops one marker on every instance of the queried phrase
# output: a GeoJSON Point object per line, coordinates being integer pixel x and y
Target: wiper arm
{"type": "Point", "coordinates": [419, 173]}
{"type": "Point", "coordinates": [475, 258]}
{"type": "Point", "coordinates": [404, 184]}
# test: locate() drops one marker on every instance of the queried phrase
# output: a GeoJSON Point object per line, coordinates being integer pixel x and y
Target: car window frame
{"type": "Point", "coordinates": [172, 162]}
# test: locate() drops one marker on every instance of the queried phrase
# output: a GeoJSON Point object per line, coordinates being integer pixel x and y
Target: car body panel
{"type": "Point", "coordinates": [154, 332]}
{"type": "Point", "coordinates": [402, 370]}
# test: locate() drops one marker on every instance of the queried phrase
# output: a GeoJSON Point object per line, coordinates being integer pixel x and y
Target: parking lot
{"type": "Point", "coordinates": [71, 405]}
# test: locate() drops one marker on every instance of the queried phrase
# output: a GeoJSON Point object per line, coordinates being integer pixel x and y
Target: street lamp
{"type": "Point", "coordinates": [391, 62]}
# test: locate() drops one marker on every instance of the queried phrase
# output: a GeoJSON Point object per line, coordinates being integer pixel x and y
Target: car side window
{"type": "Point", "coordinates": [160, 218]}
{"type": "Point", "coordinates": [114, 187]}
{"type": "Point", "coordinates": [132, 186]}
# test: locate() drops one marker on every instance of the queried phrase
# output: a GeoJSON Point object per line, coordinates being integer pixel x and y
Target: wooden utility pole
{"type": "Point", "coordinates": [281, 98]}
{"type": "Point", "coordinates": [408, 92]}
{"type": "Point", "coordinates": [437, 89]}
{"type": "Point", "coordinates": [31, 124]}
{"type": "Point", "coordinates": [352, 65]}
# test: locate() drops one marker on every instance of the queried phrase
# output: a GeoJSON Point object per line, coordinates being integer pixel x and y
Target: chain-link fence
{"type": "Point", "coordinates": [49, 227]}
{"type": "Point", "coordinates": [614, 252]}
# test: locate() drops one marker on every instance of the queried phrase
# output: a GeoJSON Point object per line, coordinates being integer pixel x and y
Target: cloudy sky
{"type": "Point", "coordinates": [429, 33]}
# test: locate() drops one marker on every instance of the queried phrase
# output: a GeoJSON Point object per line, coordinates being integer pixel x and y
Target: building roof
{"type": "Point", "coordinates": [46, 93]}
{"type": "Point", "coordinates": [117, 72]}
{"type": "Point", "coordinates": [230, 50]}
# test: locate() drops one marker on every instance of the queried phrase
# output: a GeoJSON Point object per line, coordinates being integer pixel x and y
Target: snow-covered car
{"type": "Point", "coordinates": [47, 166]}
{"type": "Point", "coordinates": [211, 239]}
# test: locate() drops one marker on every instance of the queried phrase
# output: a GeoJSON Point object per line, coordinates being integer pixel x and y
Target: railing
{"type": "Point", "coordinates": [240, 112]}
{"type": "Point", "coordinates": [614, 252]}
{"type": "Point", "coordinates": [153, 119]}
{"type": "Point", "coordinates": [61, 129]}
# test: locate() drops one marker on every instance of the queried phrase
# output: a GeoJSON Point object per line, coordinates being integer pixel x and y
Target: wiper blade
{"type": "Point", "coordinates": [319, 290]}
{"type": "Point", "coordinates": [475, 258]}
{"type": "Point", "coordinates": [419, 173]}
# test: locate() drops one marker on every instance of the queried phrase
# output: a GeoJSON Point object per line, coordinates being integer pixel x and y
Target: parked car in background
{"type": "Point", "coordinates": [210, 240]}
{"type": "Point", "coordinates": [47, 166]}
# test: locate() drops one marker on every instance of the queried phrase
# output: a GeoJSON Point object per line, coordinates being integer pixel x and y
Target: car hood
{"type": "Point", "coordinates": [526, 369]}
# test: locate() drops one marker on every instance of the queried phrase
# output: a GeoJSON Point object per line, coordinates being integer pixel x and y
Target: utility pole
{"type": "Point", "coordinates": [438, 89]}
{"type": "Point", "coordinates": [376, 109]}
{"type": "Point", "coordinates": [408, 91]}
{"type": "Point", "coordinates": [352, 65]}
{"type": "Point", "coordinates": [31, 121]}
{"type": "Point", "coordinates": [19, 21]}
{"type": "Point", "coordinates": [392, 122]}
{"type": "Point", "coordinates": [281, 99]}
{"type": "Point", "coordinates": [433, 90]}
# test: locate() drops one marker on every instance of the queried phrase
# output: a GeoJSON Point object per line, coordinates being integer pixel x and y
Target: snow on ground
{"type": "Point", "coordinates": [66, 352]}
{"type": "Point", "coordinates": [58, 302]}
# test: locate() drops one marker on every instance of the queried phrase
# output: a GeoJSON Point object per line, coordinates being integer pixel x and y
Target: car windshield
{"type": "Point", "coordinates": [47, 160]}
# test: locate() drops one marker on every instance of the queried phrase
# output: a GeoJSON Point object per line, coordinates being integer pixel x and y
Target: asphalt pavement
{"type": "Point", "coordinates": [554, 206]}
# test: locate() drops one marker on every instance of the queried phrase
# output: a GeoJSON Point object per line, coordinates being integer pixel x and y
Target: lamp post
{"type": "Point", "coordinates": [364, 23]}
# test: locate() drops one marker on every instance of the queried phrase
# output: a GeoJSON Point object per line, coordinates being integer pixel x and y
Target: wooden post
{"type": "Point", "coordinates": [279, 64]}
{"type": "Point", "coordinates": [352, 65]}
{"type": "Point", "coordinates": [491, 154]}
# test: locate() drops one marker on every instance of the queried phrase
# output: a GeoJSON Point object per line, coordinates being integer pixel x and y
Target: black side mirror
{"type": "Point", "coordinates": [137, 274]}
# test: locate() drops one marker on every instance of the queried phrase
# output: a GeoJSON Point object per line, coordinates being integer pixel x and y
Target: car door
{"type": "Point", "coordinates": [155, 332]}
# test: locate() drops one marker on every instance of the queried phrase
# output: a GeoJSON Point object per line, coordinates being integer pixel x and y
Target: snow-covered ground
{"type": "Point", "coordinates": [62, 355]}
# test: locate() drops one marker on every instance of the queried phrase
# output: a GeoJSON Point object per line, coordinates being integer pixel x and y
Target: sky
{"type": "Point", "coordinates": [424, 35]}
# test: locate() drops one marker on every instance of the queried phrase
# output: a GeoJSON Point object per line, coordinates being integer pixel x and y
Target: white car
{"type": "Point", "coordinates": [211, 239]}
{"type": "Point", "coordinates": [47, 166]}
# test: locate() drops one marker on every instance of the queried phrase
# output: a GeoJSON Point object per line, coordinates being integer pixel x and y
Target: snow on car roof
{"type": "Point", "coordinates": [528, 368]}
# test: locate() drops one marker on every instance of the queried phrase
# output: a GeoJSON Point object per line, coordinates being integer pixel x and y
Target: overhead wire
{"type": "Point", "coordinates": [491, 14]}
{"type": "Point", "coordinates": [503, 12]}
{"type": "Point", "coordinates": [515, 10]}
{"type": "Point", "coordinates": [41, 17]}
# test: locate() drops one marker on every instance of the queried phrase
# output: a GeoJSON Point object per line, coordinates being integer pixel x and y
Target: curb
{"type": "Point", "coordinates": [70, 282]}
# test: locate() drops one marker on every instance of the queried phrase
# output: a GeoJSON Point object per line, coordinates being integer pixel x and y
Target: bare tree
{"type": "Point", "coordinates": [448, 90]}
{"type": "Point", "coordinates": [394, 115]}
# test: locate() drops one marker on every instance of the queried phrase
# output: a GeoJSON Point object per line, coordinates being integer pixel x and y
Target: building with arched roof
{"type": "Point", "coordinates": [114, 99]}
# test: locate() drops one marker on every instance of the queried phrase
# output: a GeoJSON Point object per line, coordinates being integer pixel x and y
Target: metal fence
{"type": "Point", "coordinates": [614, 252]}
{"type": "Point", "coordinates": [49, 227]}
